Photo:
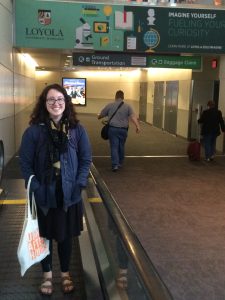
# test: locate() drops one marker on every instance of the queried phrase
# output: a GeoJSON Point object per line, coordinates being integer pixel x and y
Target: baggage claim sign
{"type": "Point", "coordinates": [122, 28]}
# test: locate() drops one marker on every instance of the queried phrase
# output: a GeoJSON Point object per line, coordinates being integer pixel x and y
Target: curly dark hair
{"type": "Point", "coordinates": [40, 113]}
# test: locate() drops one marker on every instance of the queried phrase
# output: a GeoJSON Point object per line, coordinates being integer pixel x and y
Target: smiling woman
{"type": "Point", "coordinates": [56, 150]}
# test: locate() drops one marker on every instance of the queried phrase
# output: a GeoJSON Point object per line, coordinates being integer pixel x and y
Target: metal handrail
{"type": "Point", "coordinates": [1, 159]}
{"type": "Point", "coordinates": [150, 278]}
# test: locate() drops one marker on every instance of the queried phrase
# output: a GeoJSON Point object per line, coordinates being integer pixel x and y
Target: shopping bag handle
{"type": "Point", "coordinates": [30, 209]}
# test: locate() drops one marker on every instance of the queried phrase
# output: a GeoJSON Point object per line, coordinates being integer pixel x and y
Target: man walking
{"type": "Point", "coordinates": [118, 128]}
{"type": "Point", "coordinates": [212, 122]}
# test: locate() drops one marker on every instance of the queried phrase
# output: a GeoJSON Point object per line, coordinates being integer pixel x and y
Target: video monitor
{"type": "Point", "coordinates": [76, 89]}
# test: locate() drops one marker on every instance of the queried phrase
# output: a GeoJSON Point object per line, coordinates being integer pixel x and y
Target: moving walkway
{"type": "Point", "coordinates": [106, 242]}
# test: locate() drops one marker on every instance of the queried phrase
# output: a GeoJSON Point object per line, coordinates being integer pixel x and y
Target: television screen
{"type": "Point", "coordinates": [76, 89]}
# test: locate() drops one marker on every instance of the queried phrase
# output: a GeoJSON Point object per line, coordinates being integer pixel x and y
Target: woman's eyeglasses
{"type": "Point", "coordinates": [52, 101]}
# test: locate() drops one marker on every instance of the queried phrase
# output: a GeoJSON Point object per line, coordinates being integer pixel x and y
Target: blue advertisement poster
{"type": "Point", "coordinates": [76, 89]}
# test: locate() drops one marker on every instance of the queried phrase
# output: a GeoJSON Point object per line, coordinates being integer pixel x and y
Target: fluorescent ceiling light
{"type": "Point", "coordinates": [29, 59]}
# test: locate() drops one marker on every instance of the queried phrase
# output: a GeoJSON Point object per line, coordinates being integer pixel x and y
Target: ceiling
{"type": "Point", "coordinates": [51, 59]}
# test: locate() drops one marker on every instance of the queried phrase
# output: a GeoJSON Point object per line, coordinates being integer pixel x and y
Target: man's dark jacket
{"type": "Point", "coordinates": [212, 121]}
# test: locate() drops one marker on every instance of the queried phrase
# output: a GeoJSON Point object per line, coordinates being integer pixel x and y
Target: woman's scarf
{"type": "Point", "coordinates": [57, 144]}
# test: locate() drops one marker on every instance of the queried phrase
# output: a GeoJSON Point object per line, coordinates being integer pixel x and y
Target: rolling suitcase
{"type": "Point", "coordinates": [194, 150]}
{"type": "Point", "coordinates": [194, 147]}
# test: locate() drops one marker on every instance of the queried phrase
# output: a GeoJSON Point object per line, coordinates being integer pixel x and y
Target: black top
{"type": "Point", "coordinates": [212, 121]}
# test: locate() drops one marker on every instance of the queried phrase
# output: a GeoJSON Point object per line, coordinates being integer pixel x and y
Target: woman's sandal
{"type": "Point", "coordinates": [121, 280]}
{"type": "Point", "coordinates": [46, 287]}
{"type": "Point", "coordinates": [67, 284]}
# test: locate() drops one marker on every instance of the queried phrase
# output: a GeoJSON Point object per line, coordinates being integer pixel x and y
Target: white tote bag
{"type": "Point", "coordinates": [32, 248]}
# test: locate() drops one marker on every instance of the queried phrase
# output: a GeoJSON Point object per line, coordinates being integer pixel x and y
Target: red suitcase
{"type": "Point", "coordinates": [194, 150]}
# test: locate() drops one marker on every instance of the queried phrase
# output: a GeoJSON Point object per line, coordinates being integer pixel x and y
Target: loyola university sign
{"type": "Point", "coordinates": [118, 28]}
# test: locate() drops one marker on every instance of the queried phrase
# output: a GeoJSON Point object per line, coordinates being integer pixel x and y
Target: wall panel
{"type": "Point", "coordinates": [7, 136]}
{"type": "Point", "coordinates": [24, 92]}
{"type": "Point", "coordinates": [21, 122]}
{"type": "Point", "coordinates": [6, 93]}
{"type": "Point", "coordinates": [7, 4]}
{"type": "Point", "coordinates": [18, 82]}
{"type": "Point", "coordinates": [182, 122]}
{"type": "Point", "coordinates": [6, 38]}
{"type": "Point", "coordinates": [24, 98]}
{"type": "Point", "coordinates": [22, 65]}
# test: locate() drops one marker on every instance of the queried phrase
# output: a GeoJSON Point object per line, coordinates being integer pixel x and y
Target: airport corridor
{"type": "Point", "coordinates": [175, 206]}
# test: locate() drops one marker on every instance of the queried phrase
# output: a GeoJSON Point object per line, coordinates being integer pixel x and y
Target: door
{"type": "Point", "coordinates": [158, 104]}
{"type": "Point", "coordinates": [202, 92]}
{"type": "Point", "coordinates": [171, 101]}
{"type": "Point", "coordinates": [143, 101]}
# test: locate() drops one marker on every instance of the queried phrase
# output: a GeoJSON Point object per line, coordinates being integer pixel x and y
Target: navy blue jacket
{"type": "Point", "coordinates": [75, 165]}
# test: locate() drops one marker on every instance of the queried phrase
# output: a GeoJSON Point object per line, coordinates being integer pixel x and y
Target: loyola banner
{"type": "Point", "coordinates": [108, 27]}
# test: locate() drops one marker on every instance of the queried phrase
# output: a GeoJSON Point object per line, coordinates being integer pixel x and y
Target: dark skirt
{"type": "Point", "coordinates": [59, 224]}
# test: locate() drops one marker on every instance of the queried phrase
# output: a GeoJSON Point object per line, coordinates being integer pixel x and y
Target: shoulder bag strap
{"type": "Point", "coordinates": [29, 203]}
{"type": "Point", "coordinates": [115, 111]}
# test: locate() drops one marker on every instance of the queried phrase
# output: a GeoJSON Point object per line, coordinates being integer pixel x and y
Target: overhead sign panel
{"type": "Point", "coordinates": [109, 27]}
{"type": "Point", "coordinates": [142, 61]}
{"type": "Point", "coordinates": [176, 62]}
{"type": "Point", "coordinates": [109, 60]}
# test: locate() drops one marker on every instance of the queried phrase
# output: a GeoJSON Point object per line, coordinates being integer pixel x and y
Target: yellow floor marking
{"type": "Point", "coordinates": [95, 200]}
{"type": "Point", "coordinates": [23, 201]}
{"type": "Point", "coordinates": [13, 201]}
